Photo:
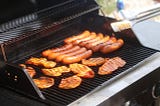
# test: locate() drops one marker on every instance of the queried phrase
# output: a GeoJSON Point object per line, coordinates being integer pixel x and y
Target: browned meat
{"type": "Point", "coordinates": [76, 37]}
{"type": "Point", "coordinates": [70, 82]}
{"type": "Point", "coordinates": [57, 71]}
{"type": "Point", "coordinates": [93, 61]}
{"type": "Point", "coordinates": [82, 70]}
{"type": "Point", "coordinates": [41, 62]}
{"type": "Point", "coordinates": [44, 82]}
{"type": "Point", "coordinates": [111, 65]}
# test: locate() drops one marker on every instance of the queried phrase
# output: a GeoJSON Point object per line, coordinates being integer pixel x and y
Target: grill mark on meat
{"type": "Point", "coordinates": [57, 71]}
{"type": "Point", "coordinates": [82, 70]}
{"type": "Point", "coordinates": [93, 61]}
{"type": "Point", "coordinates": [70, 82]}
{"type": "Point", "coordinates": [44, 82]}
{"type": "Point", "coordinates": [111, 65]}
{"type": "Point", "coordinates": [41, 62]}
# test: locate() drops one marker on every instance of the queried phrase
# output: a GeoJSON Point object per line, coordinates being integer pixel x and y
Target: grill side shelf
{"type": "Point", "coordinates": [18, 80]}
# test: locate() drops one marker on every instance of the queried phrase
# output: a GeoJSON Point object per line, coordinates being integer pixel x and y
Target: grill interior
{"type": "Point", "coordinates": [131, 53]}
{"type": "Point", "coordinates": [51, 32]}
{"type": "Point", "coordinates": [55, 96]}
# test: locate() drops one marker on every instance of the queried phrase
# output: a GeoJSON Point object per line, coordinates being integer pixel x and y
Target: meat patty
{"type": "Point", "coordinates": [93, 61]}
{"type": "Point", "coordinates": [111, 65]}
{"type": "Point", "coordinates": [70, 82]}
{"type": "Point", "coordinates": [57, 71]}
{"type": "Point", "coordinates": [82, 70]}
{"type": "Point", "coordinates": [41, 62]}
{"type": "Point", "coordinates": [44, 82]}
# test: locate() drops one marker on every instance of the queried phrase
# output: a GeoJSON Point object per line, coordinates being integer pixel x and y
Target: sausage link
{"type": "Point", "coordinates": [62, 56]}
{"type": "Point", "coordinates": [84, 39]}
{"type": "Point", "coordinates": [76, 37]}
{"type": "Point", "coordinates": [77, 58]}
{"type": "Point", "coordinates": [53, 55]}
{"type": "Point", "coordinates": [98, 37]}
{"type": "Point", "coordinates": [103, 43]}
{"type": "Point", "coordinates": [112, 47]}
{"type": "Point", "coordinates": [58, 49]}
{"type": "Point", "coordinates": [95, 45]}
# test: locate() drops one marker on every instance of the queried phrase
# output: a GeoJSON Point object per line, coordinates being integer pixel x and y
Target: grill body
{"type": "Point", "coordinates": [47, 31]}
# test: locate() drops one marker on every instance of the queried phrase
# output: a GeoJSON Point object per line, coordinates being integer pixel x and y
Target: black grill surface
{"type": "Point", "coordinates": [55, 96]}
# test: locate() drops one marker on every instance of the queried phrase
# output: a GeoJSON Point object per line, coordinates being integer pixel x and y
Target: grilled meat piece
{"type": "Point", "coordinates": [93, 61]}
{"type": "Point", "coordinates": [77, 58]}
{"type": "Point", "coordinates": [57, 71]}
{"type": "Point", "coordinates": [54, 55]}
{"type": "Point", "coordinates": [111, 65]}
{"type": "Point", "coordinates": [44, 82]}
{"type": "Point", "coordinates": [31, 71]}
{"type": "Point", "coordinates": [58, 49]}
{"type": "Point", "coordinates": [70, 82]}
{"type": "Point", "coordinates": [76, 37]}
{"type": "Point", "coordinates": [41, 62]}
{"type": "Point", "coordinates": [82, 70]}
{"type": "Point", "coordinates": [108, 48]}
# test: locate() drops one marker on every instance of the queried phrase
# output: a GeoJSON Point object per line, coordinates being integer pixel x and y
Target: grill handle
{"type": "Point", "coordinates": [17, 79]}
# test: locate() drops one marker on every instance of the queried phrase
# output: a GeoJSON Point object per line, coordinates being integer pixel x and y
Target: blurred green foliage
{"type": "Point", "coordinates": [107, 6]}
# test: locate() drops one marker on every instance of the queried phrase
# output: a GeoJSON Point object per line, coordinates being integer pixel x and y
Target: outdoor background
{"type": "Point", "coordinates": [131, 6]}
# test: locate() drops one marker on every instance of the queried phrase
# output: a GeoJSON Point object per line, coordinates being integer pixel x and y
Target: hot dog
{"type": "Point", "coordinates": [102, 43]}
{"type": "Point", "coordinates": [98, 37]}
{"type": "Point", "coordinates": [93, 36]}
{"type": "Point", "coordinates": [65, 47]}
{"type": "Point", "coordinates": [53, 55]}
{"type": "Point", "coordinates": [73, 38]}
{"type": "Point", "coordinates": [93, 45]}
{"type": "Point", "coordinates": [77, 58]}
{"type": "Point", "coordinates": [60, 57]}
{"type": "Point", "coordinates": [112, 47]}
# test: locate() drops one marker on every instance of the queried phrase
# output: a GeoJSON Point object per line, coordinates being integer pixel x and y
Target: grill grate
{"type": "Point", "coordinates": [132, 55]}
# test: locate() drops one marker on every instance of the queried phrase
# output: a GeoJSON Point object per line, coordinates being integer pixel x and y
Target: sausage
{"type": "Point", "coordinates": [95, 45]}
{"type": "Point", "coordinates": [103, 43]}
{"type": "Point", "coordinates": [65, 47]}
{"type": "Point", "coordinates": [60, 57]}
{"type": "Point", "coordinates": [93, 36]}
{"type": "Point", "coordinates": [53, 55]}
{"type": "Point", "coordinates": [82, 43]}
{"type": "Point", "coordinates": [77, 58]}
{"type": "Point", "coordinates": [73, 38]}
{"type": "Point", "coordinates": [112, 47]}
{"type": "Point", "coordinates": [98, 37]}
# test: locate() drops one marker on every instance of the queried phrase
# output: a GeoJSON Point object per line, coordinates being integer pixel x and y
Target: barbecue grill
{"type": "Point", "coordinates": [27, 36]}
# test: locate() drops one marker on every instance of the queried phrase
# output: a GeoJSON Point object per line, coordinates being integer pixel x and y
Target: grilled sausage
{"type": "Point", "coordinates": [62, 56]}
{"type": "Point", "coordinates": [112, 47]}
{"type": "Point", "coordinates": [65, 47]}
{"type": "Point", "coordinates": [77, 58]}
{"type": "Point", "coordinates": [102, 43]}
{"type": "Point", "coordinates": [73, 38]}
{"type": "Point", "coordinates": [53, 55]}
{"type": "Point", "coordinates": [98, 37]}
{"type": "Point", "coordinates": [93, 36]}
